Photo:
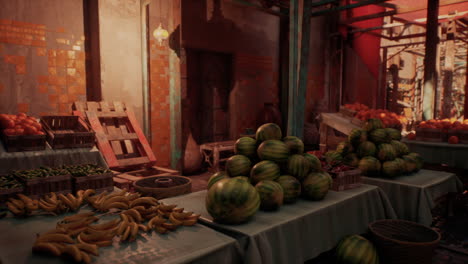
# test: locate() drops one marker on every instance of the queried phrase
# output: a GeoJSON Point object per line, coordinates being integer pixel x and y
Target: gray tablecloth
{"type": "Point", "coordinates": [195, 244]}
{"type": "Point", "coordinates": [48, 157]}
{"type": "Point", "coordinates": [413, 196]}
{"type": "Point", "coordinates": [454, 155]}
{"type": "Point", "coordinates": [300, 231]}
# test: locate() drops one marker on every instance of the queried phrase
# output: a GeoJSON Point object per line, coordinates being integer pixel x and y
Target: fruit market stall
{"type": "Point", "coordinates": [82, 235]}
{"type": "Point", "coordinates": [413, 196]}
{"type": "Point", "coordinates": [300, 231]}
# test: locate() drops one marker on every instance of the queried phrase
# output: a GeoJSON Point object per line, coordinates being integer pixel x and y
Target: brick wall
{"type": "Point", "coordinates": [42, 63]}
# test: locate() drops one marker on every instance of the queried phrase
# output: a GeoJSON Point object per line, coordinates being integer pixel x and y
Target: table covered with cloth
{"type": "Point", "coordinates": [48, 157]}
{"type": "Point", "coordinates": [299, 231]}
{"type": "Point", "coordinates": [454, 155]}
{"type": "Point", "coordinates": [192, 244]}
{"type": "Point", "coordinates": [413, 196]}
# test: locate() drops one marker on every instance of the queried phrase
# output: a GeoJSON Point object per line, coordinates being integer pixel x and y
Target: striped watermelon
{"type": "Point", "coordinates": [379, 136]}
{"type": "Point", "coordinates": [401, 165]}
{"type": "Point", "coordinates": [291, 188]}
{"type": "Point", "coordinates": [344, 148]}
{"type": "Point", "coordinates": [271, 195]}
{"type": "Point", "coordinates": [264, 170]}
{"type": "Point", "coordinates": [273, 150]}
{"type": "Point", "coordinates": [232, 201]}
{"type": "Point", "coordinates": [246, 146]}
{"type": "Point", "coordinates": [238, 165]}
{"type": "Point", "coordinates": [245, 178]}
{"type": "Point", "coordinates": [351, 160]}
{"type": "Point", "coordinates": [298, 166]}
{"type": "Point", "coordinates": [386, 152]}
{"type": "Point", "coordinates": [268, 131]}
{"type": "Point", "coordinates": [391, 169]}
{"type": "Point", "coordinates": [216, 177]}
{"type": "Point", "coordinates": [357, 136]}
{"type": "Point", "coordinates": [333, 157]}
{"type": "Point", "coordinates": [400, 148]}
{"type": "Point", "coordinates": [393, 133]}
{"type": "Point", "coordinates": [373, 124]}
{"type": "Point", "coordinates": [356, 249]}
{"type": "Point", "coordinates": [418, 159]}
{"type": "Point", "coordinates": [411, 164]}
{"type": "Point", "coordinates": [315, 186]}
{"type": "Point", "coordinates": [369, 166]}
{"type": "Point", "coordinates": [314, 163]}
{"type": "Point", "coordinates": [295, 144]}
{"type": "Point", "coordinates": [366, 148]}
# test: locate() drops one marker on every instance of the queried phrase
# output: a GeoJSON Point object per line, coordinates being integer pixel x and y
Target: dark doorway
{"type": "Point", "coordinates": [209, 79]}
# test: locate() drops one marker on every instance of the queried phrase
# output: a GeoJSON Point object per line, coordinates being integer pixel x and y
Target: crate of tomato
{"type": "Point", "coordinates": [67, 131]}
{"type": "Point", "coordinates": [22, 133]}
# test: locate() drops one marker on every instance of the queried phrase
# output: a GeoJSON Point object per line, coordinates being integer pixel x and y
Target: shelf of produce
{"type": "Point", "coordinates": [453, 155]}
{"type": "Point", "coordinates": [299, 231]}
{"type": "Point", "coordinates": [412, 196]}
{"type": "Point", "coordinates": [193, 244]}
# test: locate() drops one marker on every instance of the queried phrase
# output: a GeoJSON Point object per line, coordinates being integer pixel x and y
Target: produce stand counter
{"type": "Point", "coordinates": [48, 157]}
{"type": "Point", "coordinates": [299, 231]}
{"type": "Point", "coordinates": [413, 196]}
{"type": "Point", "coordinates": [194, 244]}
{"type": "Point", "coordinates": [454, 155]}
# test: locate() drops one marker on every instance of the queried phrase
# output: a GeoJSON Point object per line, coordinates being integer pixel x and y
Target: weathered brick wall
{"type": "Point", "coordinates": [42, 58]}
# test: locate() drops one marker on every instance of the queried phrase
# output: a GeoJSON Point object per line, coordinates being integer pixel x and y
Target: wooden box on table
{"type": "Point", "coordinates": [67, 131]}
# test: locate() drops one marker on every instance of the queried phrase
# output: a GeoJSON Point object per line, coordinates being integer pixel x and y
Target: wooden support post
{"type": "Point", "coordinates": [299, 107]}
{"type": "Point", "coordinates": [93, 58]}
{"type": "Point", "coordinates": [284, 70]}
{"type": "Point", "coordinates": [465, 109]}
{"type": "Point", "coordinates": [293, 47]}
{"type": "Point", "coordinates": [382, 88]}
{"type": "Point", "coordinates": [446, 92]}
{"type": "Point", "coordinates": [430, 72]}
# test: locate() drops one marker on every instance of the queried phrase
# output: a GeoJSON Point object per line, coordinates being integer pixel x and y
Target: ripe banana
{"type": "Point", "coordinates": [48, 248]}
{"type": "Point", "coordinates": [74, 252]}
{"type": "Point", "coordinates": [88, 248]}
{"type": "Point", "coordinates": [55, 237]}
{"type": "Point", "coordinates": [133, 231]}
{"type": "Point", "coordinates": [134, 214]}
{"type": "Point", "coordinates": [155, 221]}
{"type": "Point", "coordinates": [70, 204]}
{"type": "Point", "coordinates": [85, 258]}
{"type": "Point", "coordinates": [15, 210]}
{"type": "Point", "coordinates": [178, 210]}
{"type": "Point", "coordinates": [167, 208]}
{"type": "Point", "coordinates": [95, 236]}
{"type": "Point", "coordinates": [107, 202]}
{"type": "Point", "coordinates": [133, 196]}
{"type": "Point", "coordinates": [181, 215]}
{"type": "Point", "coordinates": [44, 205]}
{"type": "Point", "coordinates": [88, 193]}
{"type": "Point", "coordinates": [118, 205]}
{"type": "Point", "coordinates": [77, 217]}
{"type": "Point", "coordinates": [122, 227]}
{"type": "Point", "coordinates": [104, 243]}
{"type": "Point", "coordinates": [145, 201]}
{"type": "Point", "coordinates": [160, 229]}
{"type": "Point", "coordinates": [105, 226]}
{"type": "Point", "coordinates": [175, 221]}
{"type": "Point", "coordinates": [55, 231]}
{"type": "Point", "coordinates": [24, 198]}
{"type": "Point", "coordinates": [143, 228]}
{"type": "Point", "coordinates": [126, 234]}
{"type": "Point", "coordinates": [169, 226]}
{"type": "Point", "coordinates": [17, 203]}
{"type": "Point", "coordinates": [189, 222]}
{"type": "Point", "coordinates": [51, 198]}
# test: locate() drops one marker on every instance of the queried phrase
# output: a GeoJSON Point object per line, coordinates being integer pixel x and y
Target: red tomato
{"type": "Point", "coordinates": [411, 136]}
{"type": "Point", "coordinates": [40, 133]}
{"type": "Point", "coordinates": [8, 123]}
{"type": "Point", "coordinates": [30, 130]}
{"type": "Point", "coordinates": [9, 132]}
{"type": "Point", "coordinates": [27, 121]}
{"type": "Point", "coordinates": [38, 126]}
{"type": "Point", "coordinates": [19, 131]}
{"type": "Point", "coordinates": [22, 115]}
{"type": "Point", "coordinates": [453, 140]}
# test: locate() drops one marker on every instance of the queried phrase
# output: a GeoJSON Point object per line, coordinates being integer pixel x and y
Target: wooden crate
{"type": "Point", "coordinates": [212, 153]}
{"type": "Point", "coordinates": [431, 135]}
{"type": "Point", "coordinates": [24, 142]}
{"type": "Point", "coordinates": [98, 182]}
{"type": "Point", "coordinates": [461, 134]}
{"type": "Point", "coordinates": [67, 131]}
{"type": "Point", "coordinates": [329, 123]}
{"type": "Point", "coordinates": [347, 112]}
{"type": "Point", "coordinates": [346, 180]}
{"type": "Point", "coordinates": [119, 137]}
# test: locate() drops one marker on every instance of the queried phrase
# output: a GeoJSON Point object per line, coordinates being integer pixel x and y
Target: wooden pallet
{"type": "Point", "coordinates": [119, 137]}
{"type": "Point", "coordinates": [212, 153]}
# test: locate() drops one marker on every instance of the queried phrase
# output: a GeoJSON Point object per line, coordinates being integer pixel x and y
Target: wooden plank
{"type": "Point", "coordinates": [122, 123]}
{"type": "Point", "coordinates": [118, 114]}
{"type": "Point", "coordinates": [79, 106]}
{"type": "Point", "coordinates": [92, 106]}
{"type": "Point", "coordinates": [336, 121]}
{"type": "Point", "coordinates": [118, 107]}
{"type": "Point", "coordinates": [144, 143]}
{"type": "Point", "coordinates": [102, 141]}
{"type": "Point", "coordinates": [134, 161]}
{"type": "Point", "coordinates": [104, 106]}
{"type": "Point", "coordinates": [121, 137]}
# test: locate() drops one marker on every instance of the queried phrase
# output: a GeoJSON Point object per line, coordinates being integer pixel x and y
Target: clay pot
{"type": "Point", "coordinates": [192, 156]}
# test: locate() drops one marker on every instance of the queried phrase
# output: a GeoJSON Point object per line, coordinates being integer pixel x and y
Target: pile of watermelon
{"type": "Point", "coordinates": [376, 151]}
{"type": "Point", "coordinates": [266, 172]}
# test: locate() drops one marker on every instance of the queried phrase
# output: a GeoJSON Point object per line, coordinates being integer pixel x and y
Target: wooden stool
{"type": "Point", "coordinates": [211, 153]}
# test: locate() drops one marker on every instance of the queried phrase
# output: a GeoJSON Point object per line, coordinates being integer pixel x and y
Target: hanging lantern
{"type": "Point", "coordinates": [160, 34]}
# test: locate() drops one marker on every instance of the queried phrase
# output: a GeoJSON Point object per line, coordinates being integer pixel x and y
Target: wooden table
{"type": "Point", "coordinates": [212, 153]}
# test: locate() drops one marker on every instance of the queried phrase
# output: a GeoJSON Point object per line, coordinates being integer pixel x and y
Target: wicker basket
{"type": "Point", "coordinates": [24, 142]}
{"type": "Point", "coordinates": [98, 182]}
{"type": "Point", "coordinates": [401, 241]}
{"type": "Point", "coordinates": [67, 132]}
{"type": "Point", "coordinates": [346, 180]}
{"type": "Point", "coordinates": [431, 135]}
{"type": "Point", "coordinates": [163, 186]}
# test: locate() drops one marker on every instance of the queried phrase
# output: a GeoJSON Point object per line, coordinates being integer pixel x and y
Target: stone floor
{"type": "Point", "coordinates": [453, 248]}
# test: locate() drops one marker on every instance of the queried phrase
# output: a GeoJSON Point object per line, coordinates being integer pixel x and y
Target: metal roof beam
{"type": "Point", "coordinates": [345, 7]}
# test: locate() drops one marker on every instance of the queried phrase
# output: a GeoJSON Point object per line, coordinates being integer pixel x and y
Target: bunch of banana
{"type": "Point", "coordinates": [104, 202]}
{"type": "Point", "coordinates": [100, 238]}
{"type": "Point", "coordinates": [77, 223]}
{"type": "Point", "coordinates": [50, 203]}
{"type": "Point", "coordinates": [23, 206]}
{"type": "Point", "coordinates": [183, 218]}
{"type": "Point", "coordinates": [128, 227]}
{"type": "Point", "coordinates": [73, 203]}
